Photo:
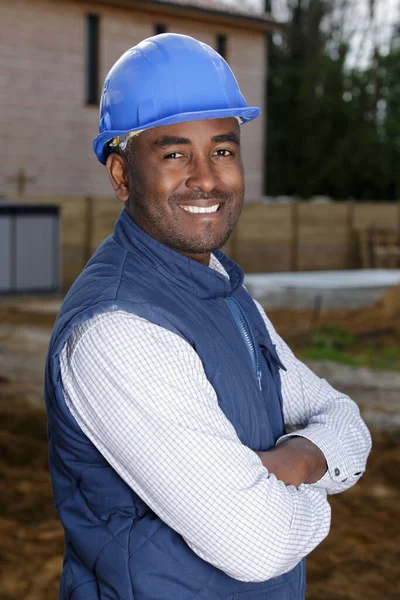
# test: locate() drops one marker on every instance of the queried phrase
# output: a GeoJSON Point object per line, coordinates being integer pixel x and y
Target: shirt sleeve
{"type": "Point", "coordinates": [330, 419]}
{"type": "Point", "coordinates": [140, 394]}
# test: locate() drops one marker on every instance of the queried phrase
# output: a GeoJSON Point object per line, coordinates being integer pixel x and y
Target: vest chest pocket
{"type": "Point", "coordinates": [274, 399]}
{"type": "Point", "coordinates": [271, 356]}
{"type": "Point", "coordinates": [277, 592]}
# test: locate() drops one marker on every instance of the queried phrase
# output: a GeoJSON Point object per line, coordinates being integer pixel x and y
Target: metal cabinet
{"type": "Point", "coordinates": [29, 248]}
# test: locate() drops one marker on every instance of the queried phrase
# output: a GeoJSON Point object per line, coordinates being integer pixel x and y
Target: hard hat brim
{"type": "Point", "coordinates": [247, 114]}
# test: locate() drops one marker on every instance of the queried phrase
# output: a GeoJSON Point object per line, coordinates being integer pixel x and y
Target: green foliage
{"type": "Point", "coordinates": [330, 354]}
{"type": "Point", "coordinates": [331, 130]}
{"type": "Point", "coordinates": [387, 359]}
{"type": "Point", "coordinates": [332, 337]}
{"type": "Point", "coordinates": [331, 343]}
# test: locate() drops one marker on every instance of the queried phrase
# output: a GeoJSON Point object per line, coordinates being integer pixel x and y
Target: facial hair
{"type": "Point", "coordinates": [171, 234]}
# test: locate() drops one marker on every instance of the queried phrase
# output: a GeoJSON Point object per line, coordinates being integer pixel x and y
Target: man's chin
{"type": "Point", "coordinates": [200, 247]}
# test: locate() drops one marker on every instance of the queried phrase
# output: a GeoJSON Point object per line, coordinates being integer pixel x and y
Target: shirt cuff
{"type": "Point", "coordinates": [340, 474]}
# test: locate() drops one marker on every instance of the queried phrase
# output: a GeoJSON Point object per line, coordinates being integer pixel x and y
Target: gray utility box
{"type": "Point", "coordinates": [29, 248]}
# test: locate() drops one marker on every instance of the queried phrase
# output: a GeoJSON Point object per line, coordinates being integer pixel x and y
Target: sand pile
{"type": "Point", "coordinates": [379, 319]}
{"type": "Point", "coordinates": [31, 538]}
{"type": "Point", "coordinates": [383, 316]}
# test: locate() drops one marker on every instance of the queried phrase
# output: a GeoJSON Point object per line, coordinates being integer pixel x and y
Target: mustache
{"type": "Point", "coordinates": [199, 195]}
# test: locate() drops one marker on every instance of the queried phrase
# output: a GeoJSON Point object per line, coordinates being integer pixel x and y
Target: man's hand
{"type": "Point", "coordinates": [295, 461]}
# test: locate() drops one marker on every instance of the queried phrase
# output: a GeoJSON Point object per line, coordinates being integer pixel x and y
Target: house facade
{"type": "Point", "coordinates": [54, 56]}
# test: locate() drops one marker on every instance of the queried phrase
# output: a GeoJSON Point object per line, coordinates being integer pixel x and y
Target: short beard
{"type": "Point", "coordinates": [208, 243]}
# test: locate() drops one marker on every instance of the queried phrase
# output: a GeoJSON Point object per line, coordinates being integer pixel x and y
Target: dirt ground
{"type": "Point", "coordinates": [359, 560]}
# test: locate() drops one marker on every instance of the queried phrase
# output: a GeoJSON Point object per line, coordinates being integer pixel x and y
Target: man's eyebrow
{"type": "Point", "coordinates": [170, 140]}
{"type": "Point", "coordinates": [226, 137]}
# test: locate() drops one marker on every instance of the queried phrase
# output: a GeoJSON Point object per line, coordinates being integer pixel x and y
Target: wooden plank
{"type": "Point", "coordinates": [264, 222]}
{"type": "Point", "coordinates": [377, 214]}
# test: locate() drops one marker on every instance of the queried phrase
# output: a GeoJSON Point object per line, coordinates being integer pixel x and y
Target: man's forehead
{"type": "Point", "coordinates": [191, 130]}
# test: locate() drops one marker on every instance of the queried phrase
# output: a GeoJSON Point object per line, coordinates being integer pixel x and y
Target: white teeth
{"type": "Point", "coordinates": [201, 209]}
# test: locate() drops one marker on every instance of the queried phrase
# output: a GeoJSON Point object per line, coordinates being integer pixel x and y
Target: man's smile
{"type": "Point", "coordinates": [200, 209]}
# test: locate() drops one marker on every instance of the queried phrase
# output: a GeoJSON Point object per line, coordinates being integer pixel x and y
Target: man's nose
{"type": "Point", "coordinates": [202, 176]}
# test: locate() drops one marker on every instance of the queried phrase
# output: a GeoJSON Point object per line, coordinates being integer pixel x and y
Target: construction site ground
{"type": "Point", "coordinates": [359, 560]}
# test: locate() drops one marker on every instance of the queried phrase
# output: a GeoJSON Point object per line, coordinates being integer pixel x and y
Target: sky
{"type": "Point", "coordinates": [387, 13]}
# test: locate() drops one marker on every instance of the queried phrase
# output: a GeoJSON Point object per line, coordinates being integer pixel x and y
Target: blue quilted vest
{"type": "Point", "coordinates": [115, 546]}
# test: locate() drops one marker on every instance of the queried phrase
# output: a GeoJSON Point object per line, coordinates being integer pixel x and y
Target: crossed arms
{"type": "Point", "coordinates": [140, 394]}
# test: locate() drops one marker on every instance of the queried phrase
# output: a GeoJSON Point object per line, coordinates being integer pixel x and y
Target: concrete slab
{"type": "Point", "coordinates": [327, 289]}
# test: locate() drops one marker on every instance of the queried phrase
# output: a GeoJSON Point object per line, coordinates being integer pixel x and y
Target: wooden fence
{"type": "Point", "coordinates": [305, 236]}
{"type": "Point", "coordinates": [302, 236]}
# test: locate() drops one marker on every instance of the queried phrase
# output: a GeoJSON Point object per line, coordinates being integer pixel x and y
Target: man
{"type": "Point", "coordinates": [168, 390]}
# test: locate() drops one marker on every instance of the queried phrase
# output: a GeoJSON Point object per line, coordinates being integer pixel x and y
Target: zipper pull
{"type": "Point", "coordinates": [259, 380]}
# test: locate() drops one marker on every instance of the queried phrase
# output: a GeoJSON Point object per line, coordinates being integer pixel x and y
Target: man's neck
{"type": "Point", "coordinates": [203, 259]}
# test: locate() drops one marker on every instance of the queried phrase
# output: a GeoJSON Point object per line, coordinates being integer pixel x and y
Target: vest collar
{"type": "Point", "coordinates": [199, 280]}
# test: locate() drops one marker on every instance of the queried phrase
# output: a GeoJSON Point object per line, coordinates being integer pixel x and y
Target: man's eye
{"type": "Point", "coordinates": [174, 155]}
{"type": "Point", "coordinates": [223, 152]}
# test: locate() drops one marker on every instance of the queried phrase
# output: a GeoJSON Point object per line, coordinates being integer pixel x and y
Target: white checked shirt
{"type": "Point", "coordinates": [140, 394]}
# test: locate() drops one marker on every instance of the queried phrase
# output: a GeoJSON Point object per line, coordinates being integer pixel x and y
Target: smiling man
{"type": "Point", "coordinates": [169, 393]}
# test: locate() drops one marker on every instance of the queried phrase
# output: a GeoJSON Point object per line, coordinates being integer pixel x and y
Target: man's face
{"type": "Point", "coordinates": [186, 184]}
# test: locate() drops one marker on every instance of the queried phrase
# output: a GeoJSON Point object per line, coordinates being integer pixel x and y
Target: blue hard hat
{"type": "Point", "coordinates": [166, 79]}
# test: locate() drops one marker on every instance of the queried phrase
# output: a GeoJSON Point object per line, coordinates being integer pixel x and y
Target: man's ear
{"type": "Point", "coordinates": [118, 173]}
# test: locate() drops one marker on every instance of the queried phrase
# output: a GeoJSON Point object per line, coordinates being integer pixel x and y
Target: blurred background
{"type": "Point", "coordinates": [319, 237]}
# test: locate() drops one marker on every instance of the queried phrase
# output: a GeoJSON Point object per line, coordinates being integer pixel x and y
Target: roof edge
{"type": "Point", "coordinates": [231, 18]}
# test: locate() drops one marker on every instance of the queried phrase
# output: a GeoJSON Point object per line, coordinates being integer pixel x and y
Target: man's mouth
{"type": "Point", "coordinates": [201, 209]}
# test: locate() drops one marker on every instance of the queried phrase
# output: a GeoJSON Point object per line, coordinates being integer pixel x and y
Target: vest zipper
{"type": "Point", "coordinates": [243, 325]}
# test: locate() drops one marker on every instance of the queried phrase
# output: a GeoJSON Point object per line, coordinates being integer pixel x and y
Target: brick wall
{"type": "Point", "coordinates": [46, 128]}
